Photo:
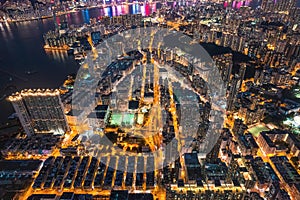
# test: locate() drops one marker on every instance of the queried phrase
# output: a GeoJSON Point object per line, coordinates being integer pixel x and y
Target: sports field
{"type": "Point", "coordinates": [122, 119]}
{"type": "Point", "coordinates": [116, 119]}
{"type": "Point", "coordinates": [257, 129]}
{"type": "Point", "coordinates": [128, 119]}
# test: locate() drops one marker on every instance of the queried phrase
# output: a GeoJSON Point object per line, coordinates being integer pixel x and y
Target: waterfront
{"type": "Point", "coordinates": [25, 64]}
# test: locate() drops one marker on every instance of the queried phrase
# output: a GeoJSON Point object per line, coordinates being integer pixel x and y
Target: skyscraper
{"type": "Point", "coordinates": [40, 111]}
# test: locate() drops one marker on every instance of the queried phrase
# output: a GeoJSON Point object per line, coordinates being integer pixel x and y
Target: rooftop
{"type": "Point", "coordinates": [20, 165]}
{"type": "Point", "coordinates": [133, 105]}
{"type": "Point", "coordinates": [101, 108]}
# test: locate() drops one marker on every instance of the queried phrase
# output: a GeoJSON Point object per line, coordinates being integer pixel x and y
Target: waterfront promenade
{"type": "Point", "coordinates": [59, 13]}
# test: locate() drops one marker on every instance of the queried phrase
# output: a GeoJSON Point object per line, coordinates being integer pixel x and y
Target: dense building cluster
{"type": "Point", "coordinates": [141, 104]}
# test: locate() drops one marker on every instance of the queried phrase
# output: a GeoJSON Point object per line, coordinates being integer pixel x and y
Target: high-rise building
{"type": "Point", "coordinates": [242, 72]}
{"type": "Point", "coordinates": [224, 62]}
{"type": "Point", "coordinates": [235, 85]}
{"type": "Point", "coordinates": [40, 111]}
{"type": "Point", "coordinates": [278, 5]}
{"type": "Point", "coordinates": [232, 92]}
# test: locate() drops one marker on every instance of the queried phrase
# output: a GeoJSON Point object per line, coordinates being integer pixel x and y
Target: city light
{"type": "Point", "coordinates": [150, 99]}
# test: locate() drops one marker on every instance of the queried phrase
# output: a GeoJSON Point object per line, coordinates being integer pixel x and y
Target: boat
{"type": "Point", "coordinates": [13, 116]}
{"type": "Point", "coordinates": [3, 97]}
{"type": "Point", "coordinates": [30, 72]}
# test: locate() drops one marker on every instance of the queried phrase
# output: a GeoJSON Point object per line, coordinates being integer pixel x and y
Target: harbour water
{"type": "Point", "coordinates": [25, 64]}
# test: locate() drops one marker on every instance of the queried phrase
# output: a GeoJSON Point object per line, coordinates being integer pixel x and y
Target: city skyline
{"type": "Point", "coordinates": [150, 100]}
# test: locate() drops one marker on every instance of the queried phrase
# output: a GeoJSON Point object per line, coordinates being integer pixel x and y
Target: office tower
{"type": "Point", "coordinates": [40, 111]}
